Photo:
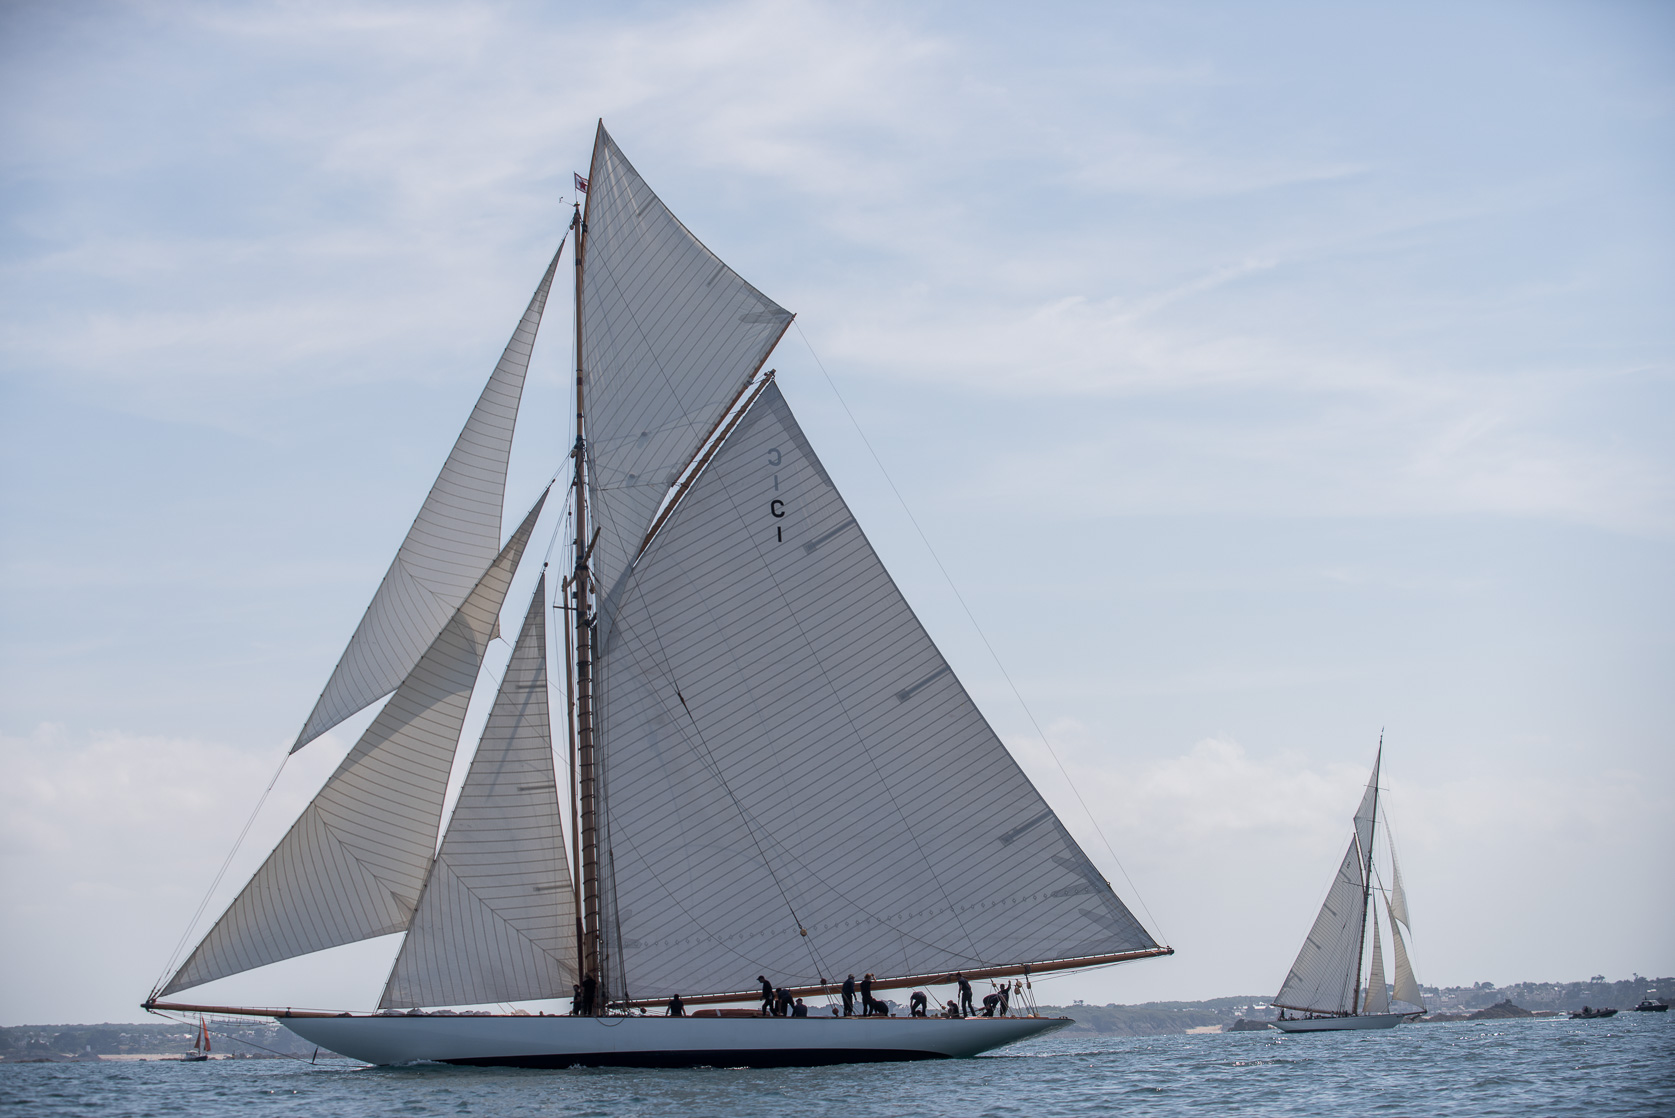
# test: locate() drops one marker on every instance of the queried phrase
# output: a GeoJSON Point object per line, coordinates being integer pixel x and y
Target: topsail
{"type": "Point", "coordinates": [451, 542]}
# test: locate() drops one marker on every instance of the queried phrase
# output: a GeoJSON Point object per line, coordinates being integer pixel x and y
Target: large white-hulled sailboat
{"type": "Point", "coordinates": [1325, 982]}
{"type": "Point", "coordinates": [772, 770]}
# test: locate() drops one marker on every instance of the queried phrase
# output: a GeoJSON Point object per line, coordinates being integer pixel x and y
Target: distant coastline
{"type": "Point", "coordinates": [247, 1038]}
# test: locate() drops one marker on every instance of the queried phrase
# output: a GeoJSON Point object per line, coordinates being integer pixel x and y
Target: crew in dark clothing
{"type": "Point", "coordinates": [677, 1008]}
{"type": "Point", "coordinates": [950, 1010]}
{"type": "Point", "coordinates": [590, 987]}
{"type": "Point", "coordinates": [917, 1003]}
{"type": "Point", "coordinates": [1005, 997]}
{"type": "Point", "coordinates": [990, 1003]}
{"type": "Point", "coordinates": [966, 1009]}
{"type": "Point", "coordinates": [576, 999]}
{"type": "Point", "coordinates": [849, 996]}
{"type": "Point", "coordinates": [866, 995]}
{"type": "Point", "coordinates": [767, 995]}
{"type": "Point", "coordinates": [799, 1010]}
{"type": "Point", "coordinates": [782, 1002]}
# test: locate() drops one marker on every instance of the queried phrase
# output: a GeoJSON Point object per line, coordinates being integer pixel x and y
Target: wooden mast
{"type": "Point", "coordinates": [588, 959]}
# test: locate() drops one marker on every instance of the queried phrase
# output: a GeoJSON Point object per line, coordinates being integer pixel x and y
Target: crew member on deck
{"type": "Point", "coordinates": [590, 987]}
{"type": "Point", "coordinates": [799, 1010]}
{"type": "Point", "coordinates": [917, 1004]}
{"type": "Point", "coordinates": [866, 995]}
{"type": "Point", "coordinates": [849, 996]}
{"type": "Point", "coordinates": [767, 994]}
{"type": "Point", "coordinates": [677, 1008]}
{"type": "Point", "coordinates": [782, 1002]}
{"type": "Point", "coordinates": [991, 1002]}
{"type": "Point", "coordinates": [966, 1009]}
{"type": "Point", "coordinates": [1005, 997]}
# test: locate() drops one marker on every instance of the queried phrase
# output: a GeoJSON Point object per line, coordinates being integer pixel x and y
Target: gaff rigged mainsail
{"type": "Point", "coordinates": [797, 784]}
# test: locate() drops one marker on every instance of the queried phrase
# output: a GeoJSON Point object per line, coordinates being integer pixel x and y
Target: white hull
{"type": "Point", "coordinates": [557, 1042]}
{"type": "Point", "coordinates": [1340, 1024]}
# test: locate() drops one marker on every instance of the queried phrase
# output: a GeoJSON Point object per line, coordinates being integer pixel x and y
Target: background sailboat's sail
{"type": "Point", "coordinates": [1326, 976]}
{"type": "Point", "coordinates": [453, 539]}
{"type": "Point", "coordinates": [1398, 895]}
{"type": "Point", "coordinates": [670, 335]}
{"type": "Point", "coordinates": [496, 921]}
{"type": "Point", "coordinates": [1378, 994]}
{"type": "Point", "coordinates": [1406, 986]}
{"type": "Point", "coordinates": [1323, 979]}
{"type": "Point", "coordinates": [796, 783]}
{"type": "Point", "coordinates": [352, 865]}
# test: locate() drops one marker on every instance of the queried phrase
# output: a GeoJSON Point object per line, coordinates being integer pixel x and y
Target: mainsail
{"type": "Point", "coordinates": [670, 337]}
{"type": "Point", "coordinates": [796, 782]}
{"type": "Point", "coordinates": [454, 537]}
{"type": "Point", "coordinates": [496, 920]}
{"type": "Point", "coordinates": [352, 865]}
{"type": "Point", "coordinates": [1326, 976]}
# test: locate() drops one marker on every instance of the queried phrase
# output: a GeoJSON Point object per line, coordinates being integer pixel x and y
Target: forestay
{"type": "Point", "coordinates": [796, 783]}
{"type": "Point", "coordinates": [496, 921]}
{"type": "Point", "coordinates": [454, 537]}
{"type": "Point", "coordinates": [670, 335]}
{"type": "Point", "coordinates": [352, 865]}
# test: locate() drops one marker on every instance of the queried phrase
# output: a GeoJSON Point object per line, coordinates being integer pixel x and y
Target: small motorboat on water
{"type": "Point", "coordinates": [1589, 1014]}
{"type": "Point", "coordinates": [1650, 1006]}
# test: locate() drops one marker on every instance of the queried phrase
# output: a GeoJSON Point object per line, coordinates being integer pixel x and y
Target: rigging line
{"type": "Point", "coordinates": [709, 756]}
{"type": "Point", "coordinates": [186, 936]}
{"type": "Point", "coordinates": [1134, 890]}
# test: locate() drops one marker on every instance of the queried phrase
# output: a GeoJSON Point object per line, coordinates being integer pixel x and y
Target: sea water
{"type": "Point", "coordinates": [1525, 1068]}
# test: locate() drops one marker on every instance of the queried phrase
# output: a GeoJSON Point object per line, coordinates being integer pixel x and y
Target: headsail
{"type": "Point", "coordinates": [352, 865]}
{"type": "Point", "coordinates": [670, 336]}
{"type": "Point", "coordinates": [1378, 994]}
{"type": "Point", "coordinates": [796, 782]}
{"type": "Point", "coordinates": [1398, 895]}
{"type": "Point", "coordinates": [1407, 988]}
{"type": "Point", "coordinates": [496, 921]}
{"type": "Point", "coordinates": [454, 537]}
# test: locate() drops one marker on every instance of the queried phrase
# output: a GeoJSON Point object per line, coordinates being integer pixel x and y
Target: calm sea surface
{"type": "Point", "coordinates": [1530, 1069]}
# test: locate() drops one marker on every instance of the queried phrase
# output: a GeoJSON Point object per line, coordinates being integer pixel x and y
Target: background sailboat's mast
{"type": "Point", "coordinates": [588, 954]}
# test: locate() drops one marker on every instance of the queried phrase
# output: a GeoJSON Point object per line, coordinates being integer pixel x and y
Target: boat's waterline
{"type": "Point", "coordinates": [552, 1042]}
{"type": "Point", "coordinates": [1340, 1024]}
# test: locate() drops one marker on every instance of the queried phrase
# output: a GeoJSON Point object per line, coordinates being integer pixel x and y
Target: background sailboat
{"type": "Point", "coordinates": [1324, 983]}
{"type": "Point", "coordinates": [772, 770]}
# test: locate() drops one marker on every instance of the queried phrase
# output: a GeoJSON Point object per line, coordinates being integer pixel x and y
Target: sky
{"type": "Point", "coordinates": [1264, 377]}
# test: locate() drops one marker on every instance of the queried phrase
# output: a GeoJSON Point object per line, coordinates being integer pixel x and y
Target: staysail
{"type": "Point", "coordinates": [454, 537]}
{"type": "Point", "coordinates": [1406, 986]}
{"type": "Point", "coordinates": [796, 782]}
{"type": "Point", "coordinates": [352, 865]}
{"type": "Point", "coordinates": [1378, 994]}
{"type": "Point", "coordinates": [670, 337]}
{"type": "Point", "coordinates": [496, 920]}
{"type": "Point", "coordinates": [1325, 977]}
